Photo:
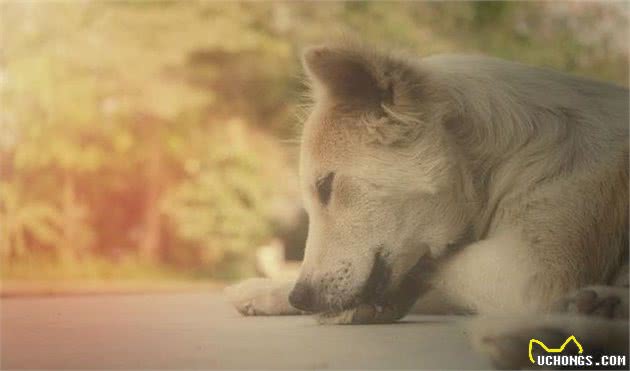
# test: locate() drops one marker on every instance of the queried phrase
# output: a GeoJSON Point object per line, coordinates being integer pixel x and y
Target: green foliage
{"type": "Point", "coordinates": [22, 219]}
{"type": "Point", "coordinates": [224, 204]}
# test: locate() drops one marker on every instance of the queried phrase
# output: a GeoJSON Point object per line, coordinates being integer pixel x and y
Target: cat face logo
{"type": "Point", "coordinates": [553, 350]}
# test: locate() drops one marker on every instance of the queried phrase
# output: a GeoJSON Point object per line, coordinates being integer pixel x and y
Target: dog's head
{"type": "Point", "coordinates": [381, 180]}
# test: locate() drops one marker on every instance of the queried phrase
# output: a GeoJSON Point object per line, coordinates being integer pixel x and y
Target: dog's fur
{"type": "Point", "coordinates": [495, 186]}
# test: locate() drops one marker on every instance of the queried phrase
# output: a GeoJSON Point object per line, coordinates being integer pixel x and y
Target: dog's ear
{"type": "Point", "coordinates": [393, 93]}
{"type": "Point", "coordinates": [347, 74]}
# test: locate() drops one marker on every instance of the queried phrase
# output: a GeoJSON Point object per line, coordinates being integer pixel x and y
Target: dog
{"type": "Point", "coordinates": [458, 184]}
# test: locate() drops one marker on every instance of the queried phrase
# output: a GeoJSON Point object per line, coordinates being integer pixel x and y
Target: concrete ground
{"type": "Point", "coordinates": [201, 331]}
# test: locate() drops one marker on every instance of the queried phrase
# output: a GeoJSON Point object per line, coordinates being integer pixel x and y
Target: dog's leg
{"type": "Point", "coordinates": [489, 277]}
{"type": "Point", "coordinates": [262, 297]}
{"type": "Point", "coordinates": [506, 275]}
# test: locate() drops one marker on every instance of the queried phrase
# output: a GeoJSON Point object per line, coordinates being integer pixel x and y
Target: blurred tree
{"type": "Point", "coordinates": [123, 91]}
{"type": "Point", "coordinates": [146, 129]}
{"type": "Point", "coordinates": [224, 206]}
{"type": "Point", "coordinates": [22, 219]}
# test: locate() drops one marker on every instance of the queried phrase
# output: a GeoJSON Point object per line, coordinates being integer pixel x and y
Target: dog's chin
{"type": "Point", "coordinates": [379, 302]}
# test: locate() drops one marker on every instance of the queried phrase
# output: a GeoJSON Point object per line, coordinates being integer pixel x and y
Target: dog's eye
{"type": "Point", "coordinates": [324, 188]}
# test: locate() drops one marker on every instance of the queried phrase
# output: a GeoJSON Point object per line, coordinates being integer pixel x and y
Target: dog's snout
{"type": "Point", "coordinates": [302, 297]}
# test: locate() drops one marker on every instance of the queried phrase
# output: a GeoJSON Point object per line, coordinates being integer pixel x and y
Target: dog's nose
{"type": "Point", "coordinates": [302, 297]}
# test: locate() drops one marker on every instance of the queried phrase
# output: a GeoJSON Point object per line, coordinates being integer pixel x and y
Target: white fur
{"type": "Point", "coordinates": [526, 168]}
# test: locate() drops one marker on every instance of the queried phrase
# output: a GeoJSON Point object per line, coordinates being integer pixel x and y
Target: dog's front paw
{"type": "Point", "coordinates": [599, 301]}
{"type": "Point", "coordinates": [261, 297]}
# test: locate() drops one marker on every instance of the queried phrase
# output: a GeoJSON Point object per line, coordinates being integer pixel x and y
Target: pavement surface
{"type": "Point", "coordinates": [201, 331]}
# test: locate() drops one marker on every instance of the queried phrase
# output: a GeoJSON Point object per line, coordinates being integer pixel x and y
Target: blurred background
{"type": "Point", "coordinates": [156, 141]}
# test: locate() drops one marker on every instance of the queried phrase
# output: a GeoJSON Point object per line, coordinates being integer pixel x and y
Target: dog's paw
{"type": "Point", "coordinates": [261, 297]}
{"type": "Point", "coordinates": [601, 301]}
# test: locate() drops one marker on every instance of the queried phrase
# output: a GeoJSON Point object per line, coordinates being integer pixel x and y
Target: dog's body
{"type": "Point", "coordinates": [498, 187]}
